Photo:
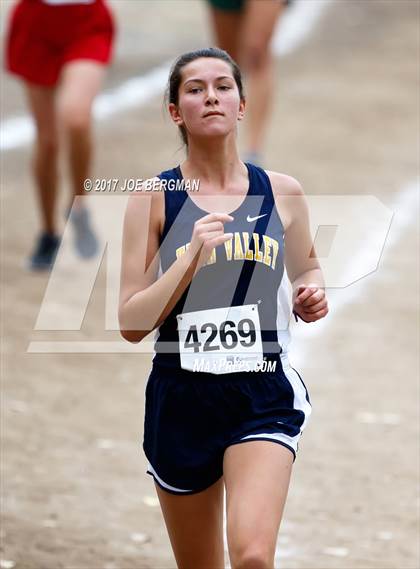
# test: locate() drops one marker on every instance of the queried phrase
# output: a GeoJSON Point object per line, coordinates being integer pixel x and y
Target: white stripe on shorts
{"type": "Point", "coordinates": [300, 402]}
{"type": "Point", "coordinates": [152, 471]}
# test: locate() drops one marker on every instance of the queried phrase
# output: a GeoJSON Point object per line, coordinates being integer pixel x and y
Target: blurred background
{"type": "Point", "coordinates": [344, 123]}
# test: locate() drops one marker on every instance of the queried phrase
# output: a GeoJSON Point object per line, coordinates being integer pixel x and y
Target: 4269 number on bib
{"type": "Point", "coordinates": [222, 340]}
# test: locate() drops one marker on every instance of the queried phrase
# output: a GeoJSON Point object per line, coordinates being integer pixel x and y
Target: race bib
{"type": "Point", "coordinates": [222, 340]}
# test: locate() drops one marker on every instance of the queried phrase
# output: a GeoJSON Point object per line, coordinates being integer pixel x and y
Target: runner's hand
{"type": "Point", "coordinates": [310, 303]}
{"type": "Point", "coordinates": [208, 233]}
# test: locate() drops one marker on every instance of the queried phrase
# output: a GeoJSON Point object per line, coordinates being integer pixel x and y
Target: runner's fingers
{"type": "Point", "coordinates": [207, 227]}
{"type": "Point", "coordinates": [321, 313]}
{"type": "Point", "coordinates": [223, 217]}
{"type": "Point", "coordinates": [200, 241]}
{"type": "Point", "coordinates": [313, 309]}
{"type": "Point", "coordinates": [307, 292]}
{"type": "Point", "coordinates": [216, 241]}
{"type": "Point", "coordinates": [207, 239]}
{"type": "Point", "coordinates": [313, 317]}
{"type": "Point", "coordinates": [314, 298]}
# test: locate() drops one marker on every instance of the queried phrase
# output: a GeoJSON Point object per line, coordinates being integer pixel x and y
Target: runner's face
{"type": "Point", "coordinates": [209, 103]}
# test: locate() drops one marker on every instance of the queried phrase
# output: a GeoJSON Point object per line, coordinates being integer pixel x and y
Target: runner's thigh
{"type": "Point", "coordinates": [195, 526]}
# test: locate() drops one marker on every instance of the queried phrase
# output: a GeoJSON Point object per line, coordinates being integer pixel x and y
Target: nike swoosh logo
{"type": "Point", "coordinates": [251, 219]}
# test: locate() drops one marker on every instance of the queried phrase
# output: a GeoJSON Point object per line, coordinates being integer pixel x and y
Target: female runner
{"type": "Point", "coordinates": [223, 405]}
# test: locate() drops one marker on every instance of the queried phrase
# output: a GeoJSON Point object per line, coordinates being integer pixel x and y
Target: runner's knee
{"type": "Point", "coordinates": [252, 556]}
{"type": "Point", "coordinates": [75, 117]}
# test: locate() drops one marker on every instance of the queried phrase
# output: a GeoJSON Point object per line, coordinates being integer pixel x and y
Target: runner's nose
{"type": "Point", "coordinates": [211, 98]}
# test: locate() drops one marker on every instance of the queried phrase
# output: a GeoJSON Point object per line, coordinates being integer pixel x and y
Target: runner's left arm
{"type": "Point", "coordinates": [303, 268]}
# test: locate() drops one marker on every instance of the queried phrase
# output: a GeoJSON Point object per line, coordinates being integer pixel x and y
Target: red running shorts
{"type": "Point", "coordinates": [43, 37]}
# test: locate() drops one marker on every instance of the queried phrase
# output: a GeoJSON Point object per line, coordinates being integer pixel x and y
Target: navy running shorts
{"type": "Point", "coordinates": [192, 417]}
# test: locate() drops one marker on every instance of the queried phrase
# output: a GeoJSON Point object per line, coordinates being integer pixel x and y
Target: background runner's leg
{"type": "Point", "coordinates": [42, 104]}
{"type": "Point", "coordinates": [81, 82]}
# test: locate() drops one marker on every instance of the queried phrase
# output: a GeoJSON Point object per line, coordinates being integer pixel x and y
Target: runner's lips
{"type": "Point", "coordinates": [213, 113]}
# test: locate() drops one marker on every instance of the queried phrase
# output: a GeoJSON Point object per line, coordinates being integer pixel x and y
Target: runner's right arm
{"type": "Point", "coordinates": [145, 300]}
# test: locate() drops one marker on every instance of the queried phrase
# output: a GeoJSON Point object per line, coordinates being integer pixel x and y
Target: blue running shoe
{"type": "Point", "coordinates": [86, 242]}
{"type": "Point", "coordinates": [43, 256]}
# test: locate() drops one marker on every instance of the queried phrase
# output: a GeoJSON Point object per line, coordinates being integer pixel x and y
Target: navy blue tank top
{"type": "Point", "coordinates": [246, 270]}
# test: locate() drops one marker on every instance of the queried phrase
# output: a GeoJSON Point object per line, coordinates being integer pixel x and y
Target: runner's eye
{"type": "Point", "coordinates": [194, 90]}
